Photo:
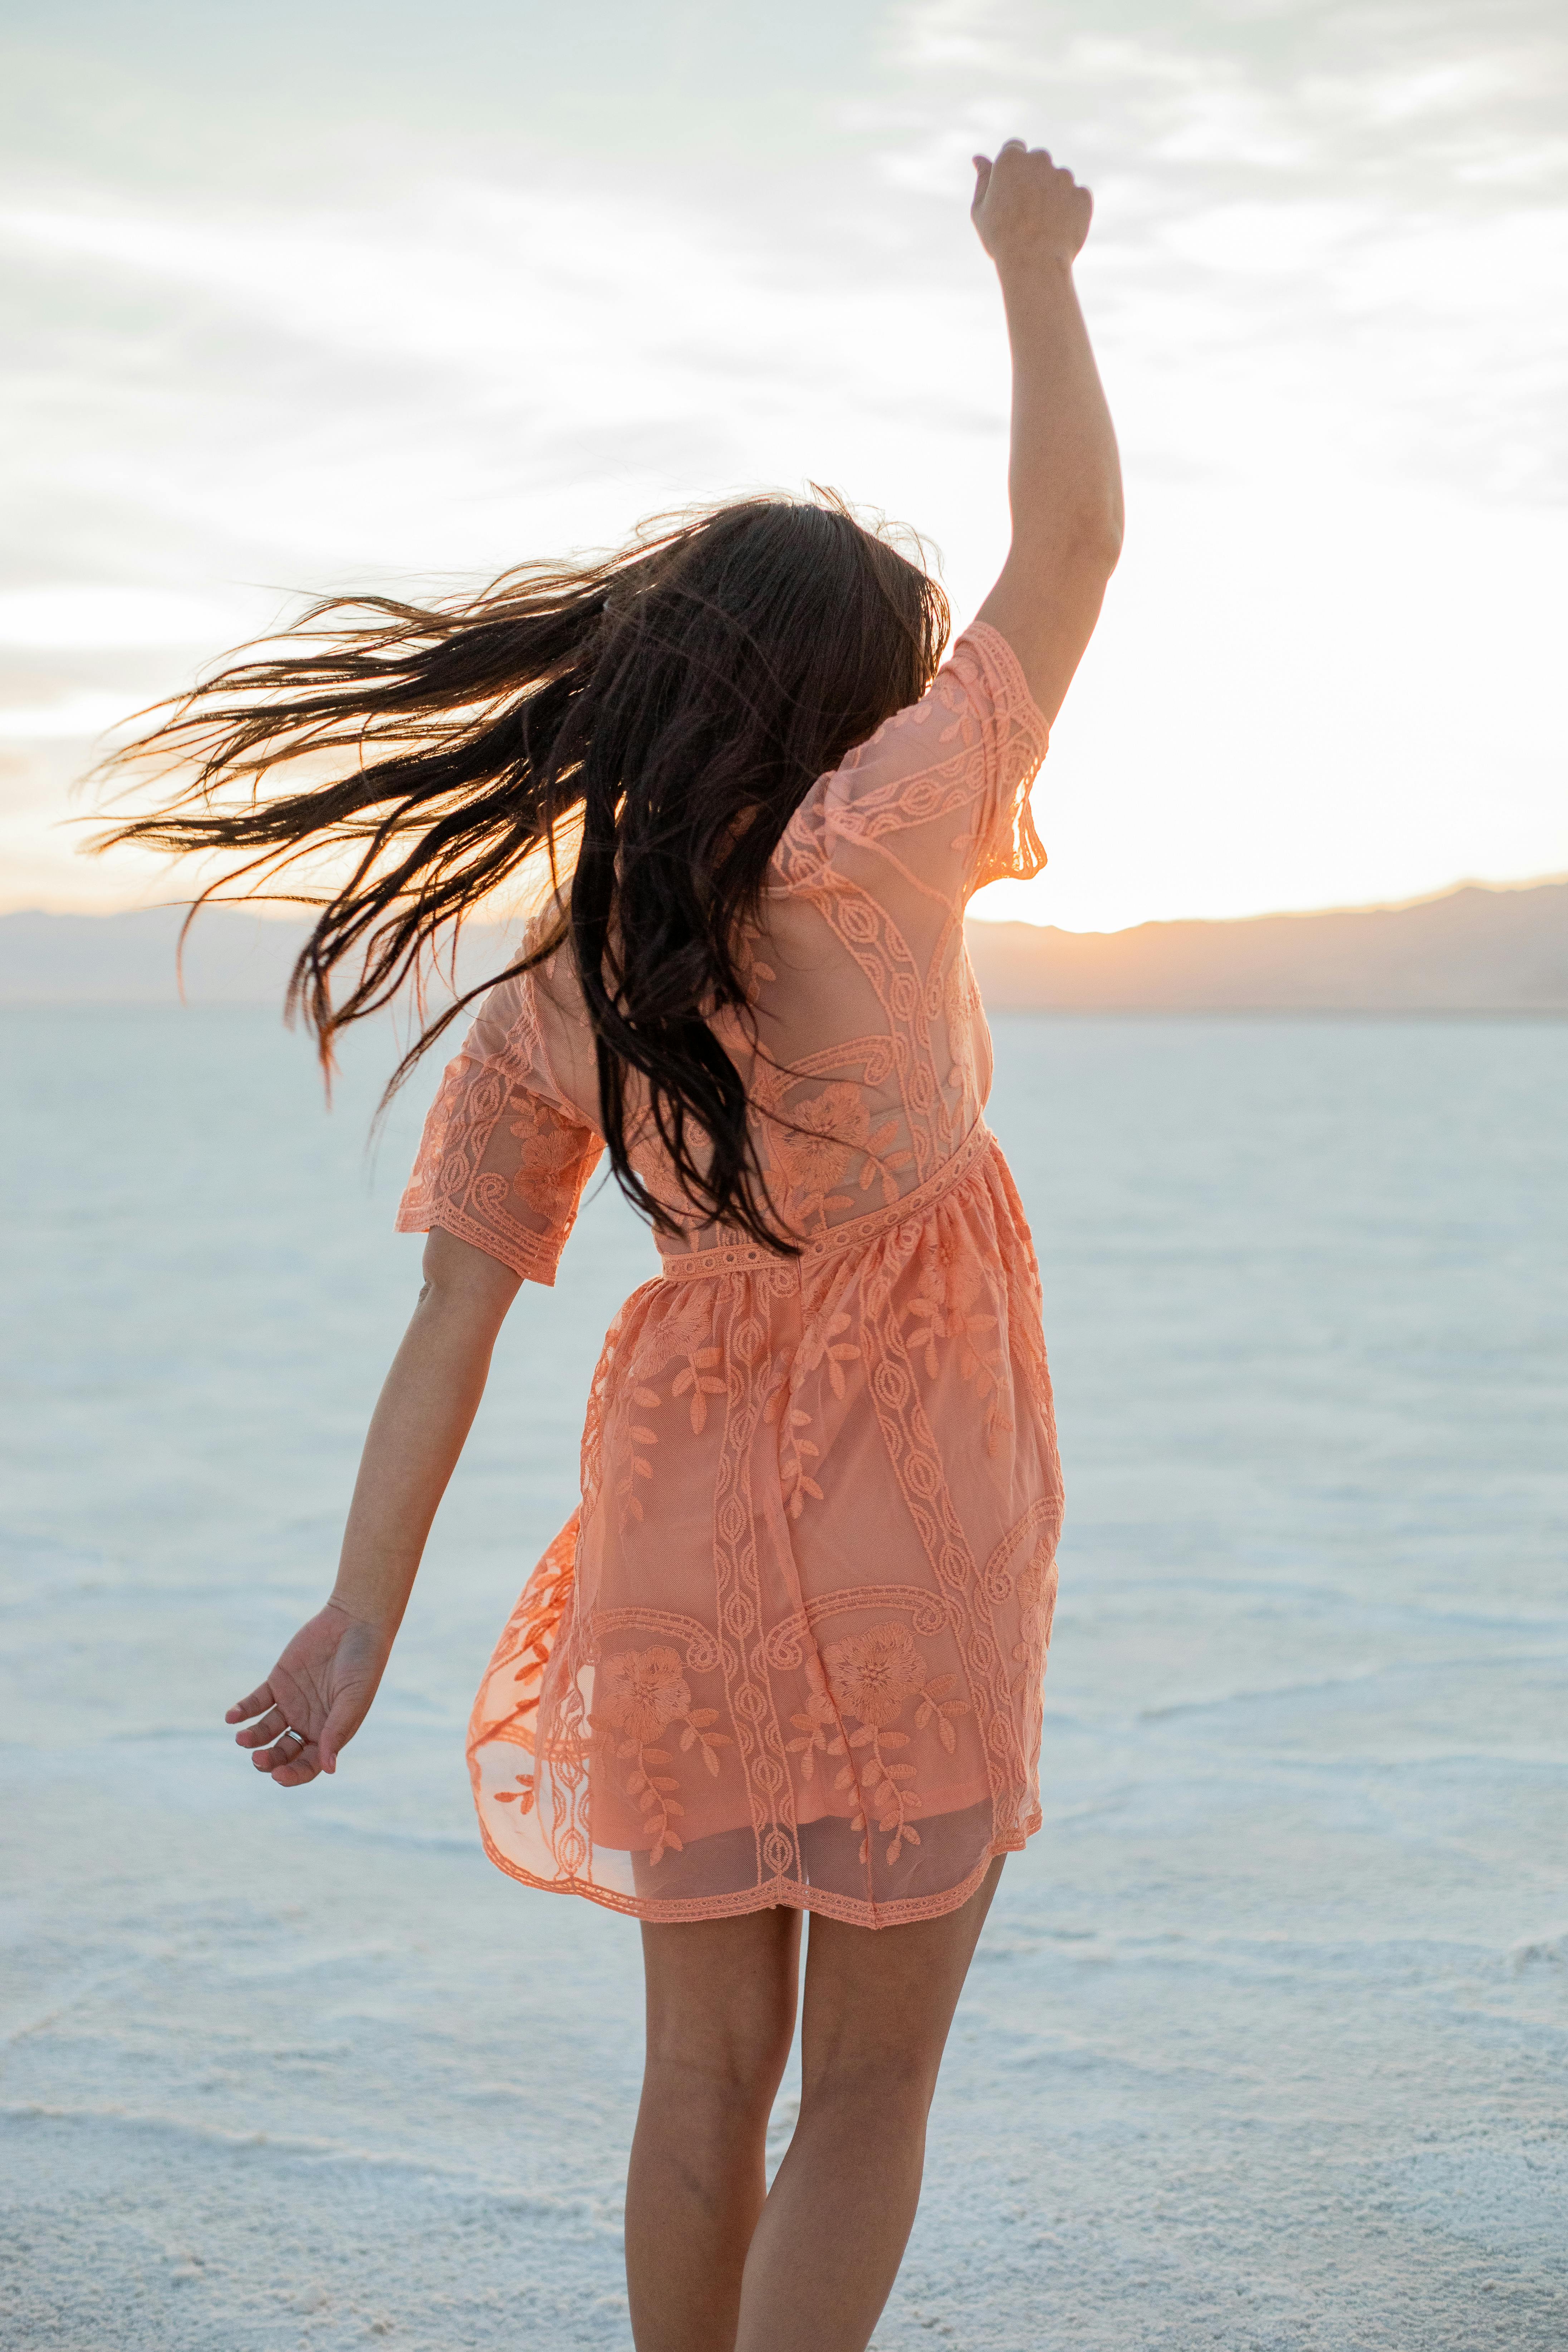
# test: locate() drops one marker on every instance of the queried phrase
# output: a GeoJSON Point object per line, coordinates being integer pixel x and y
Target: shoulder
{"type": "Point", "coordinates": [975, 726]}
{"type": "Point", "coordinates": [986, 683]}
{"type": "Point", "coordinates": [979, 694]}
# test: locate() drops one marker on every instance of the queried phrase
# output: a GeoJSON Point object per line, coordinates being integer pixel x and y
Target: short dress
{"type": "Point", "coordinates": [790, 1648]}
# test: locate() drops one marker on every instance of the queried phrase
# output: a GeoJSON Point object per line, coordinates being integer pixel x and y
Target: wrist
{"type": "Point", "coordinates": [380, 1622]}
{"type": "Point", "coordinates": [1032, 269]}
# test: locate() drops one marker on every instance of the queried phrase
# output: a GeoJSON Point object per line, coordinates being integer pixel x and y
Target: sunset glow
{"type": "Point", "coordinates": [410, 320]}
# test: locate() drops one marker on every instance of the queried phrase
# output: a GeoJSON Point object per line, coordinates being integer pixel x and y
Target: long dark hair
{"type": "Point", "coordinates": [670, 705]}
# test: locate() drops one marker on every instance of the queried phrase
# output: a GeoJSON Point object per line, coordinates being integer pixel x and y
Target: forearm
{"type": "Point", "coordinates": [1064, 479]}
{"type": "Point", "coordinates": [1063, 475]}
{"type": "Point", "coordinates": [422, 1418]}
{"type": "Point", "coordinates": [317, 1696]}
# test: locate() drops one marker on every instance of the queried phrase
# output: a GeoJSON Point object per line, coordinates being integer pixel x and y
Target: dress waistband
{"type": "Point", "coordinates": [741, 1258]}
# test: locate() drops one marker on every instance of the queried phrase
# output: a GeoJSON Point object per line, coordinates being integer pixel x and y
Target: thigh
{"type": "Point", "coordinates": [951, 1846]}
{"type": "Point", "coordinates": [721, 1992]}
{"type": "Point", "coordinates": [884, 1997]}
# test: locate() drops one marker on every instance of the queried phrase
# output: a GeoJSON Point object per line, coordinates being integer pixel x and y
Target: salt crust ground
{"type": "Point", "coordinates": [1264, 2048]}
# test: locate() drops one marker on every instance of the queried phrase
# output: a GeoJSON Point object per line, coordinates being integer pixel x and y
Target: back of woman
{"type": "Point", "coordinates": [826, 1689]}
{"type": "Point", "coordinates": [786, 1655]}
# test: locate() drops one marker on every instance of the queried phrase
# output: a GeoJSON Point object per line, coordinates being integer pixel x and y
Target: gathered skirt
{"type": "Point", "coordinates": [791, 1647]}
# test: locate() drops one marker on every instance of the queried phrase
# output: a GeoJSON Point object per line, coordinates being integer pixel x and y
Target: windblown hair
{"type": "Point", "coordinates": [668, 708]}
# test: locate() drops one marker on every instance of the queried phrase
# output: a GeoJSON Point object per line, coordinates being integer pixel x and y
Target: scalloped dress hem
{"type": "Point", "coordinates": [784, 1894]}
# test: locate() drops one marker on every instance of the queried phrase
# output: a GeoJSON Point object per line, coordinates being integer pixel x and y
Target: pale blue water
{"type": "Point", "coordinates": [1265, 2045]}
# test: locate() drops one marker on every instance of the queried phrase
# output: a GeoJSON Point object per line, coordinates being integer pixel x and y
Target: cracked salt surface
{"type": "Point", "coordinates": [1265, 2046]}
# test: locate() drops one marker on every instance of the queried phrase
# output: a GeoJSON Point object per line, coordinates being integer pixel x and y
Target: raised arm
{"type": "Point", "coordinates": [1064, 479]}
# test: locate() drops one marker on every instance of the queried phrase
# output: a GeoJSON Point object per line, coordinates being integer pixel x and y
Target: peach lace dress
{"type": "Point", "coordinates": [790, 1649]}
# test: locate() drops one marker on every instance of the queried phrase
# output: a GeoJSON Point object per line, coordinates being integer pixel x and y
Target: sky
{"type": "Point", "coordinates": [339, 296]}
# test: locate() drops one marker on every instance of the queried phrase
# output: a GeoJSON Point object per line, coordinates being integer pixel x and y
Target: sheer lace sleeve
{"type": "Point", "coordinates": [942, 788]}
{"type": "Point", "coordinates": [504, 1157]}
{"type": "Point", "coordinates": [1007, 847]}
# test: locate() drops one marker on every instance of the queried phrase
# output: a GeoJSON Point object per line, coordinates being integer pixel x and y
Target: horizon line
{"type": "Point", "coordinates": [263, 911]}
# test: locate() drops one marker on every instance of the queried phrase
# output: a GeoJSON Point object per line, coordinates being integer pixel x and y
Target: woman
{"type": "Point", "coordinates": [788, 1655]}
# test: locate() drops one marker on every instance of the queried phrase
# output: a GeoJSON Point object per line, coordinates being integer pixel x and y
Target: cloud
{"type": "Point", "coordinates": [1356, 210]}
{"type": "Point", "coordinates": [80, 616]}
{"type": "Point", "coordinates": [395, 328]}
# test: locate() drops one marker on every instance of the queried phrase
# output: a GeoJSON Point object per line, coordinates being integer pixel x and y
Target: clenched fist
{"type": "Point", "coordinates": [1027, 208]}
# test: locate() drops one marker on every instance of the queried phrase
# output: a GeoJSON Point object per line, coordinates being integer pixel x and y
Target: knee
{"type": "Point", "coordinates": [876, 2089]}
{"type": "Point", "coordinates": [734, 2061]}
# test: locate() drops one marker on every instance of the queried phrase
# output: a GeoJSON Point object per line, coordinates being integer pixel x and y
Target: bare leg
{"type": "Point", "coordinates": [879, 2003]}
{"type": "Point", "coordinates": [721, 2017]}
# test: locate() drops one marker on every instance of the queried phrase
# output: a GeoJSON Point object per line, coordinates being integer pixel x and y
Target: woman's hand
{"type": "Point", "coordinates": [1026, 209]}
{"type": "Point", "coordinates": [315, 1699]}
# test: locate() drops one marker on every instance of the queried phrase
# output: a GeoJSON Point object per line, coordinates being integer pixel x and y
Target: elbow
{"type": "Point", "coordinates": [1080, 541]}
{"type": "Point", "coordinates": [467, 1282]}
{"type": "Point", "coordinates": [1097, 532]}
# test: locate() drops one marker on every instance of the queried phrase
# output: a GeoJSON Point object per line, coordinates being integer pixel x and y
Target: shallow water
{"type": "Point", "coordinates": [1265, 2046]}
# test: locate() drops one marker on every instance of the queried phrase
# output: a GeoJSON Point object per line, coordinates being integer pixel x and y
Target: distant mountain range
{"type": "Point", "coordinates": [1472, 949]}
{"type": "Point", "coordinates": [1476, 949]}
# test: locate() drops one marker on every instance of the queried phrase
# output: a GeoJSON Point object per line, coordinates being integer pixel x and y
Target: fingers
{"type": "Point", "coordinates": [304, 1768]}
{"type": "Point", "coordinates": [289, 1756]}
{"type": "Point", "coordinates": [258, 1735]}
{"type": "Point", "coordinates": [339, 1728]}
{"type": "Point", "coordinates": [290, 1760]}
{"type": "Point", "coordinates": [280, 1749]}
{"type": "Point", "coordinates": [259, 1697]}
{"type": "Point", "coordinates": [1016, 151]}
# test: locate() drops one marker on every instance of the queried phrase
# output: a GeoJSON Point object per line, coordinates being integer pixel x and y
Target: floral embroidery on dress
{"type": "Point", "coordinates": [548, 1148]}
{"type": "Point", "coordinates": [795, 1450]}
{"type": "Point", "coordinates": [638, 1464]}
{"type": "Point", "coordinates": [639, 1693]}
{"type": "Point", "coordinates": [1037, 1594]}
{"type": "Point", "coordinates": [945, 1307]}
{"type": "Point", "coordinates": [520, 1210]}
{"type": "Point", "coordinates": [822, 1344]}
{"type": "Point", "coordinates": [687, 1338]}
{"type": "Point", "coordinates": [698, 1378]}
{"type": "Point", "coordinates": [816, 1139]}
{"type": "Point", "coordinates": [872, 1677]}
{"type": "Point", "coordinates": [522, 1796]}
{"type": "Point", "coordinates": [961, 1009]}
